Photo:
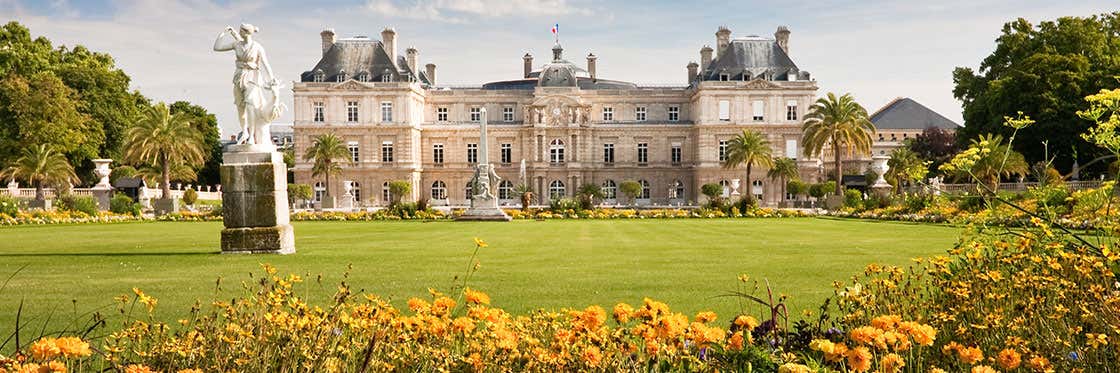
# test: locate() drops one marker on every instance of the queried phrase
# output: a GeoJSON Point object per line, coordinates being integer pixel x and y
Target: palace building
{"type": "Point", "coordinates": [558, 121]}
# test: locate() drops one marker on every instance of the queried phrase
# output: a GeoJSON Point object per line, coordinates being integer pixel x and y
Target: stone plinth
{"type": "Point", "coordinates": [484, 208]}
{"type": "Point", "coordinates": [255, 202]}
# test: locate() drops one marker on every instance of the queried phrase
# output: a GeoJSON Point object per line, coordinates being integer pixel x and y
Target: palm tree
{"type": "Point", "coordinates": [588, 193]}
{"type": "Point", "coordinates": [326, 151]}
{"type": "Point", "coordinates": [163, 140]}
{"type": "Point", "coordinates": [905, 166]}
{"type": "Point", "coordinates": [40, 165]}
{"type": "Point", "coordinates": [784, 169]}
{"type": "Point", "coordinates": [749, 148]}
{"type": "Point", "coordinates": [996, 161]}
{"type": "Point", "coordinates": [838, 122]}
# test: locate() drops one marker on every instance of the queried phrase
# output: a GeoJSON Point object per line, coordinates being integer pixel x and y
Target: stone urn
{"type": "Point", "coordinates": [879, 165]}
{"type": "Point", "coordinates": [734, 187]}
{"type": "Point", "coordinates": [101, 168]}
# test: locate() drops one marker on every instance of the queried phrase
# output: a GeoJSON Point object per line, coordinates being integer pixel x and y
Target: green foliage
{"type": "Point", "coordinates": [326, 152]}
{"type": "Point", "coordinates": [1052, 198]}
{"type": "Point", "coordinates": [41, 166]}
{"type": "Point", "coordinates": [587, 194]}
{"type": "Point", "coordinates": [749, 148]}
{"type": "Point", "coordinates": [206, 125]}
{"type": "Point", "coordinates": [905, 167]}
{"type": "Point", "coordinates": [1043, 70]}
{"type": "Point", "coordinates": [69, 202]}
{"type": "Point", "coordinates": [840, 123]}
{"type": "Point", "coordinates": [122, 204]}
{"type": "Point", "coordinates": [301, 192]}
{"type": "Point", "coordinates": [563, 204]}
{"type": "Point", "coordinates": [190, 196]}
{"type": "Point", "coordinates": [630, 188]}
{"type": "Point", "coordinates": [935, 146]}
{"type": "Point", "coordinates": [987, 160]}
{"type": "Point", "coordinates": [712, 190]}
{"type": "Point", "coordinates": [819, 190]}
{"type": "Point", "coordinates": [9, 205]}
{"type": "Point", "coordinates": [122, 171]}
{"type": "Point", "coordinates": [398, 189]}
{"type": "Point", "coordinates": [797, 188]}
{"type": "Point", "coordinates": [42, 110]}
{"type": "Point", "coordinates": [914, 203]}
{"type": "Point", "coordinates": [160, 139]}
{"type": "Point", "coordinates": [853, 198]}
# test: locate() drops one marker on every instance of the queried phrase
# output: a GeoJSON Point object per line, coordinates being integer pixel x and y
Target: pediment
{"type": "Point", "coordinates": [558, 100]}
{"type": "Point", "coordinates": [349, 85]}
{"type": "Point", "coordinates": [761, 84]}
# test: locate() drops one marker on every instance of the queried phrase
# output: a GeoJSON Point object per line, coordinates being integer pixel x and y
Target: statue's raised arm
{"type": "Point", "coordinates": [226, 40]}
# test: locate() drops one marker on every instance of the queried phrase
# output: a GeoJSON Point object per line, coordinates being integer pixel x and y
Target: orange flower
{"type": "Point", "coordinates": [73, 347]}
{"type": "Point", "coordinates": [892, 363]}
{"type": "Point", "coordinates": [463, 325]}
{"type": "Point", "coordinates": [622, 313]}
{"type": "Point", "coordinates": [983, 369]}
{"type": "Point", "coordinates": [886, 322]}
{"type": "Point", "coordinates": [1009, 359]}
{"type": "Point", "coordinates": [839, 350]}
{"type": "Point", "coordinates": [476, 297]}
{"type": "Point", "coordinates": [192, 370]}
{"type": "Point", "coordinates": [859, 359]}
{"type": "Point", "coordinates": [592, 355]}
{"type": "Point", "coordinates": [970, 355]}
{"type": "Point", "coordinates": [706, 316]}
{"type": "Point", "coordinates": [1040, 364]}
{"type": "Point", "coordinates": [865, 335]}
{"type": "Point", "coordinates": [736, 341]}
{"type": "Point", "coordinates": [45, 349]}
{"type": "Point", "coordinates": [417, 305]}
{"type": "Point", "coordinates": [53, 367]}
{"type": "Point", "coordinates": [746, 322]}
{"type": "Point", "coordinates": [134, 368]}
{"type": "Point", "coordinates": [475, 360]}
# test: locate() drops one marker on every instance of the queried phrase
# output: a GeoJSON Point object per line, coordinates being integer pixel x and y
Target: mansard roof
{"type": "Point", "coordinates": [583, 83]}
{"type": "Point", "coordinates": [359, 55]}
{"type": "Point", "coordinates": [905, 113]}
{"type": "Point", "coordinates": [756, 56]}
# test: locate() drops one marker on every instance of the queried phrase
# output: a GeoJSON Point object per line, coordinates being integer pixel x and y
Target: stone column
{"type": "Point", "coordinates": [255, 201]}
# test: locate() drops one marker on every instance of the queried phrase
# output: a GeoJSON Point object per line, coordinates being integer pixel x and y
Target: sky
{"type": "Point", "coordinates": [875, 49]}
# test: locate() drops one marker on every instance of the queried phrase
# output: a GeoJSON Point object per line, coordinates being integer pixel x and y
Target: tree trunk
{"type": "Point", "coordinates": [839, 174]}
{"type": "Point", "coordinates": [327, 180]}
{"type": "Point", "coordinates": [749, 187]}
{"type": "Point", "coordinates": [40, 194]}
{"type": "Point", "coordinates": [165, 176]}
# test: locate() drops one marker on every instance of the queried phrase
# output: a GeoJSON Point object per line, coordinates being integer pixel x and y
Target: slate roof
{"type": "Point", "coordinates": [584, 83]}
{"type": "Point", "coordinates": [905, 113]}
{"type": "Point", "coordinates": [755, 56]}
{"type": "Point", "coordinates": [359, 55]}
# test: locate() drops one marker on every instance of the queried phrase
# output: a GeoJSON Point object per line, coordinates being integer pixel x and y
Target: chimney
{"type": "Point", "coordinates": [705, 57]}
{"type": "Point", "coordinates": [430, 72]}
{"type": "Point", "coordinates": [591, 65]}
{"type": "Point", "coordinates": [328, 39]}
{"type": "Point", "coordinates": [389, 39]}
{"type": "Point", "coordinates": [692, 74]}
{"type": "Point", "coordinates": [413, 56]}
{"type": "Point", "coordinates": [723, 39]}
{"type": "Point", "coordinates": [528, 64]}
{"type": "Point", "coordinates": [782, 38]}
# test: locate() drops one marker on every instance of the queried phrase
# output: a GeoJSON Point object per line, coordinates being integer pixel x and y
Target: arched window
{"type": "Point", "coordinates": [356, 190]}
{"type": "Point", "coordinates": [756, 189]}
{"type": "Point", "coordinates": [320, 191]}
{"type": "Point", "coordinates": [726, 187]}
{"type": "Point", "coordinates": [469, 190]}
{"type": "Point", "coordinates": [385, 197]}
{"type": "Point", "coordinates": [645, 189]}
{"type": "Point", "coordinates": [678, 190]}
{"type": "Point", "coordinates": [341, 76]}
{"type": "Point", "coordinates": [439, 190]}
{"type": "Point", "coordinates": [318, 77]}
{"type": "Point", "coordinates": [556, 190]}
{"type": "Point", "coordinates": [610, 189]}
{"type": "Point", "coordinates": [505, 189]}
{"type": "Point", "coordinates": [556, 151]}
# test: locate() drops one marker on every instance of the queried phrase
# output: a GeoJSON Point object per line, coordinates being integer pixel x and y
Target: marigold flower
{"type": "Point", "coordinates": [736, 341]}
{"type": "Point", "coordinates": [191, 370]}
{"type": "Point", "coordinates": [891, 363]}
{"type": "Point", "coordinates": [45, 349]}
{"type": "Point", "coordinates": [591, 318]}
{"type": "Point", "coordinates": [593, 356]}
{"type": "Point", "coordinates": [746, 322]}
{"type": "Point", "coordinates": [73, 347]}
{"type": "Point", "coordinates": [822, 345]}
{"type": "Point", "coordinates": [475, 360]}
{"type": "Point", "coordinates": [859, 359]}
{"type": "Point", "coordinates": [442, 306]}
{"type": "Point", "coordinates": [793, 368]}
{"type": "Point", "coordinates": [463, 325]}
{"type": "Point", "coordinates": [865, 335]}
{"type": "Point", "coordinates": [706, 316]}
{"type": "Point", "coordinates": [970, 355]}
{"type": "Point", "coordinates": [1040, 364]}
{"type": "Point", "coordinates": [479, 242]}
{"type": "Point", "coordinates": [622, 313]}
{"type": "Point", "coordinates": [417, 305]}
{"type": "Point", "coordinates": [1008, 359]}
{"type": "Point", "coordinates": [839, 351]}
{"type": "Point", "coordinates": [476, 297]}
{"type": "Point", "coordinates": [886, 322]}
{"type": "Point", "coordinates": [135, 368]}
{"type": "Point", "coordinates": [983, 369]}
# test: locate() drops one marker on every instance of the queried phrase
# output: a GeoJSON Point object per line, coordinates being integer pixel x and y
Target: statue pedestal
{"type": "Point", "coordinates": [103, 195]}
{"type": "Point", "coordinates": [484, 208]}
{"type": "Point", "coordinates": [255, 202]}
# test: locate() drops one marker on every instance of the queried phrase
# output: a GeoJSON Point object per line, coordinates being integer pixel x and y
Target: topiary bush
{"type": "Point", "coordinates": [853, 198]}
{"type": "Point", "coordinates": [122, 204]}
{"type": "Point", "coordinates": [69, 202]}
{"type": "Point", "coordinates": [190, 197]}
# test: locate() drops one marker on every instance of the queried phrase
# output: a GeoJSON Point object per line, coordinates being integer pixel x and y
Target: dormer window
{"type": "Point", "coordinates": [341, 76]}
{"type": "Point", "coordinates": [386, 76]}
{"type": "Point", "coordinates": [363, 76]}
{"type": "Point", "coordinates": [318, 76]}
{"type": "Point", "coordinates": [723, 77]}
{"type": "Point", "coordinates": [745, 76]}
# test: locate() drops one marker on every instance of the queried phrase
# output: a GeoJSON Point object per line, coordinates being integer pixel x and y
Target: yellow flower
{"type": "Point", "coordinates": [591, 318]}
{"type": "Point", "coordinates": [1040, 364]}
{"type": "Point", "coordinates": [822, 345]}
{"type": "Point", "coordinates": [970, 355]}
{"type": "Point", "coordinates": [73, 347]}
{"type": "Point", "coordinates": [593, 356]}
{"type": "Point", "coordinates": [891, 363]}
{"type": "Point", "coordinates": [886, 322]}
{"type": "Point", "coordinates": [793, 368]}
{"type": "Point", "coordinates": [865, 335]}
{"type": "Point", "coordinates": [476, 297]}
{"type": "Point", "coordinates": [736, 341]}
{"type": "Point", "coordinates": [1008, 359]}
{"type": "Point", "coordinates": [45, 349]}
{"type": "Point", "coordinates": [622, 312]}
{"type": "Point", "coordinates": [706, 316]}
{"type": "Point", "coordinates": [746, 322]}
{"type": "Point", "coordinates": [859, 359]}
{"type": "Point", "coordinates": [463, 325]}
{"type": "Point", "coordinates": [192, 370]}
{"type": "Point", "coordinates": [479, 242]}
{"type": "Point", "coordinates": [135, 368]}
{"type": "Point", "coordinates": [983, 369]}
{"type": "Point", "coordinates": [475, 360]}
{"type": "Point", "coordinates": [1096, 340]}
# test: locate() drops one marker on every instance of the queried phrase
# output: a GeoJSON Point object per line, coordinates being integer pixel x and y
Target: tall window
{"type": "Point", "coordinates": [472, 153]}
{"type": "Point", "coordinates": [385, 193]}
{"type": "Point", "coordinates": [674, 113]}
{"type": "Point", "coordinates": [645, 189]}
{"type": "Point", "coordinates": [556, 190]}
{"type": "Point", "coordinates": [318, 112]}
{"type": "Point", "coordinates": [355, 154]}
{"type": "Point", "coordinates": [640, 114]}
{"type": "Point", "coordinates": [678, 190]}
{"type": "Point", "coordinates": [724, 110]}
{"type": "Point", "coordinates": [643, 153]}
{"type": "Point", "coordinates": [386, 112]}
{"type": "Point", "coordinates": [675, 154]}
{"type": "Point", "coordinates": [722, 150]}
{"type": "Point", "coordinates": [320, 191]}
{"type": "Point", "coordinates": [556, 151]}
{"type": "Point", "coordinates": [476, 114]}
{"type": "Point", "coordinates": [351, 111]}
{"type": "Point", "coordinates": [610, 189]}
{"type": "Point", "coordinates": [437, 154]}
{"type": "Point", "coordinates": [441, 114]}
{"type": "Point", "coordinates": [387, 151]}
{"type": "Point", "coordinates": [608, 153]}
{"type": "Point", "coordinates": [726, 187]}
{"type": "Point", "coordinates": [507, 114]}
{"type": "Point", "coordinates": [505, 189]}
{"type": "Point", "coordinates": [791, 148]}
{"type": "Point", "coordinates": [439, 190]}
{"type": "Point", "coordinates": [608, 113]}
{"type": "Point", "coordinates": [356, 191]}
{"type": "Point", "coordinates": [759, 108]}
{"type": "Point", "coordinates": [507, 153]}
{"type": "Point", "coordinates": [791, 110]}
{"type": "Point", "coordinates": [756, 189]}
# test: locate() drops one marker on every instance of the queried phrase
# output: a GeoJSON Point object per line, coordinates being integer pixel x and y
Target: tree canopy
{"type": "Point", "coordinates": [1043, 71]}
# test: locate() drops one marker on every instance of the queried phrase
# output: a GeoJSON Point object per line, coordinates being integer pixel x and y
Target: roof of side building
{"type": "Point", "coordinates": [905, 113]}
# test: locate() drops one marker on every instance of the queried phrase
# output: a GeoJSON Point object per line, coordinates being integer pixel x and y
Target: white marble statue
{"type": "Point", "coordinates": [256, 91]}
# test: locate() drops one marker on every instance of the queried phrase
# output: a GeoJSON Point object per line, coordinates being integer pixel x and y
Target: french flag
{"type": "Point", "coordinates": [556, 29]}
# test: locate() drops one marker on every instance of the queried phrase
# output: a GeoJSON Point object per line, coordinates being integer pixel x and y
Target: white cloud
{"type": "Point", "coordinates": [463, 11]}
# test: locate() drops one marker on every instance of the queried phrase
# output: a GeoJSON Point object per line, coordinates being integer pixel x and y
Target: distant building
{"type": "Point", "coordinates": [569, 125]}
{"type": "Point", "coordinates": [283, 135]}
{"type": "Point", "coordinates": [903, 119]}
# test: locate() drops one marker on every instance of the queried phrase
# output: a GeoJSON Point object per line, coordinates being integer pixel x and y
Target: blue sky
{"type": "Point", "coordinates": [875, 49]}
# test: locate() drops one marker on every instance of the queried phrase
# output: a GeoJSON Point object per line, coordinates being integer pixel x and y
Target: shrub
{"type": "Point", "coordinates": [828, 187]}
{"type": "Point", "coordinates": [631, 189]}
{"type": "Point", "coordinates": [86, 205]}
{"type": "Point", "coordinates": [712, 190]}
{"type": "Point", "coordinates": [190, 197]}
{"type": "Point", "coordinates": [1055, 196]}
{"type": "Point", "coordinates": [747, 203]}
{"type": "Point", "coordinates": [917, 202]}
{"type": "Point", "coordinates": [122, 204]}
{"type": "Point", "coordinates": [853, 198]}
{"type": "Point", "coordinates": [403, 209]}
{"type": "Point", "coordinates": [797, 188]}
{"type": "Point", "coordinates": [561, 205]}
{"type": "Point", "coordinates": [300, 192]}
{"type": "Point", "coordinates": [9, 205]}
{"type": "Point", "coordinates": [398, 189]}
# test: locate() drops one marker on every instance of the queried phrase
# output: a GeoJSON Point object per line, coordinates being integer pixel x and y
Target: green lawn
{"type": "Point", "coordinates": [529, 264]}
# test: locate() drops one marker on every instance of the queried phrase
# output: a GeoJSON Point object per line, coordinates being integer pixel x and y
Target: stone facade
{"type": "Point", "coordinates": [567, 125]}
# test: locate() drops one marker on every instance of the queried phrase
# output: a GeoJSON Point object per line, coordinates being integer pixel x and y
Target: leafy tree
{"type": "Point", "coordinates": [398, 189]}
{"type": "Point", "coordinates": [1044, 71]}
{"type": "Point", "coordinates": [169, 142]}
{"type": "Point", "coordinates": [935, 145]}
{"type": "Point", "coordinates": [41, 110]}
{"type": "Point", "coordinates": [631, 189]}
{"type": "Point", "coordinates": [41, 166]}
{"type": "Point", "coordinates": [588, 193]}
{"type": "Point", "coordinates": [784, 169]}
{"type": "Point", "coordinates": [299, 192]}
{"type": "Point", "coordinates": [905, 167]}
{"type": "Point", "coordinates": [840, 123]}
{"type": "Point", "coordinates": [987, 160]}
{"type": "Point", "coordinates": [207, 125]}
{"type": "Point", "coordinates": [325, 153]}
{"type": "Point", "coordinates": [122, 171]}
{"type": "Point", "coordinates": [797, 187]}
{"type": "Point", "coordinates": [711, 190]}
{"type": "Point", "coordinates": [749, 148]}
